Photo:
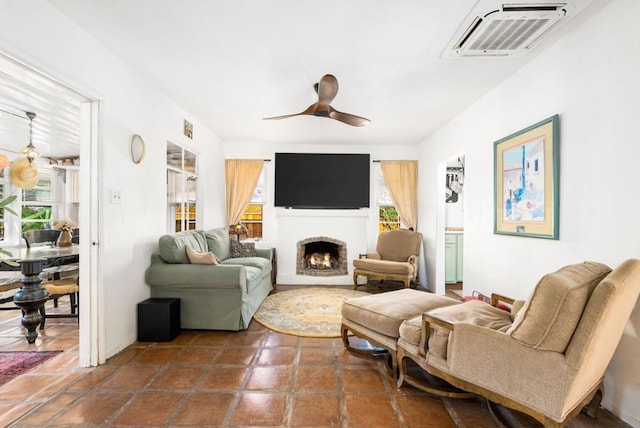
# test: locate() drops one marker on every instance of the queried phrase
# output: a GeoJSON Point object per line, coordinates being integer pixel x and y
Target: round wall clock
{"type": "Point", "coordinates": [138, 149]}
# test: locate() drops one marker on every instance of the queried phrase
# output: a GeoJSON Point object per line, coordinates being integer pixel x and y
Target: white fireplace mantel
{"type": "Point", "coordinates": [294, 225]}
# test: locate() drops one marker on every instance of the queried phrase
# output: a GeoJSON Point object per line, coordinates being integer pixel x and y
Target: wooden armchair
{"type": "Point", "coordinates": [546, 359]}
{"type": "Point", "coordinates": [396, 258]}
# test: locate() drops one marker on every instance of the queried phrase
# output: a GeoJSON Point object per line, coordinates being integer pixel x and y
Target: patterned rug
{"type": "Point", "coordinates": [14, 364]}
{"type": "Point", "coordinates": [306, 312]}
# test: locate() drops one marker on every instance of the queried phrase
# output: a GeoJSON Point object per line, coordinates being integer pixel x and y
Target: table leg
{"type": "Point", "coordinates": [31, 296]}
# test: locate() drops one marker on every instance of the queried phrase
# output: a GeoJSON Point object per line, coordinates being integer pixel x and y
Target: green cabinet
{"type": "Point", "coordinates": [453, 245]}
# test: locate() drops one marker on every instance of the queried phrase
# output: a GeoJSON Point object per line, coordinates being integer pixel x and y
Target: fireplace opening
{"type": "Point", "coordinates": [322, 256]}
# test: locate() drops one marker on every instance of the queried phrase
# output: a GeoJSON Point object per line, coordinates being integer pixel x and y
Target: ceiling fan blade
{"type": "Point", "coordinates": [349, 119]}
{"type": "Point", "coordinates": [327, 89]}
{"type": "Point", "coordinates": [310, 110]}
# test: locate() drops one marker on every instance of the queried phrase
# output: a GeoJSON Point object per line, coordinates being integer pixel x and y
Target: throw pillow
{"type": "Point", "coordinates": [239, 249]}
{"type": "Point", "coordinates": [197, 258]}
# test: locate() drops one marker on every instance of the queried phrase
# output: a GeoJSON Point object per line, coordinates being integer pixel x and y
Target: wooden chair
{"type": "Point", "coordinates": [62, 287]}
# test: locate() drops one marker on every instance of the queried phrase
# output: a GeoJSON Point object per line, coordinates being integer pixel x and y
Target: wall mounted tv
{"type": "Point", "coordinates": [321, 181]}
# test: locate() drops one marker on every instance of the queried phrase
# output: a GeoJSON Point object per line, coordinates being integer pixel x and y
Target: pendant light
{"type": "Point", "coordinates": [30, 152]}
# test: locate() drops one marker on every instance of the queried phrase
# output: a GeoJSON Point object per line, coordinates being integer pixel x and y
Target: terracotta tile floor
{"type": "Point", "coordinates": [225, 379]}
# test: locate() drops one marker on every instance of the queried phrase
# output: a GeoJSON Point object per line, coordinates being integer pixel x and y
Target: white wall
{"type": "Point", "coordinates": [282, 229]}
{"type": "Point", "coordinates": [37, 33]}
{"type": "Point", "coordinates": [590, 78]}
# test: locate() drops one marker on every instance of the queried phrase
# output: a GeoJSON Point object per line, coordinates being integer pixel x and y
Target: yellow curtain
{"type": "Point", "coordinates": [242, 177]}
{"type": "Point", "coordinates": [401, 178]}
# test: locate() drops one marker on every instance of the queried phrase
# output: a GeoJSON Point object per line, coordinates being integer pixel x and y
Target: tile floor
{"type": "Point", "coordinates": [225, 379]}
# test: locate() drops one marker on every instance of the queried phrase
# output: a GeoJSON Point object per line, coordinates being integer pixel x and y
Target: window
{"type": "Point", "coordinates": [388, 217]}
{"type": "Point", "coordinates": [35, 207]}
{"type": "Point", "coordinates": [182, 176]}
{"type": "Point", "coordinates": [38, 203]}
{"type": "Point", "coordinates": [252, 217]}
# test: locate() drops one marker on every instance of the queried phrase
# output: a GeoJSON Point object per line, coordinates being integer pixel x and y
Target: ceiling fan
{"type": "Point", "coordinates": [327, 89]}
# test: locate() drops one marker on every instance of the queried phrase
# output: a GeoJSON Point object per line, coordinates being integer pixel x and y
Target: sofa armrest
{"type": "Point", "coordinates": [494, 360]}
{"type": "Point", "coordinates": [374, 256]}
{"type": "Point", "coordinates": [266, 253]}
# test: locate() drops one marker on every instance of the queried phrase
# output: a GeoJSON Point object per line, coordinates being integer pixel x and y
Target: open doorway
{"type": "Point", "coordinates": [454, 226]}
{"type": "Point", "coordinates": [61, 123]}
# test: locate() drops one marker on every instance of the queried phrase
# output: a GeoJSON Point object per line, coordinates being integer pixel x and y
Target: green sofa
{"type": "Point", "coordinates": [222, 296]}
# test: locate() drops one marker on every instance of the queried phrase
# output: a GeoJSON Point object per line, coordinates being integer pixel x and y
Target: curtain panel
{"type": "Point", "coordinates": [401, 178]}
{"type": "Point", "coordinates": [241, 176]}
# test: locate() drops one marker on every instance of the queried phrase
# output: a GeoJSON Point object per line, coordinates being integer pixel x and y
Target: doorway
{"type": "Point", "coordinates": [454, 226]}
{"type": "Point", "coordinates": [65, 132]}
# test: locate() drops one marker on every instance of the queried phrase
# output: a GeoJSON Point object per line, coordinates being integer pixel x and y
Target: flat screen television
{"type": "Point", "coordinates": [321, 181]}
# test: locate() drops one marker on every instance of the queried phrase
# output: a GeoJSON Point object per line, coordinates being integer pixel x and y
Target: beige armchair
{"type": "Point", "coordinates": [546, 359]}
{"type": "Point", "coordinates": [396, 258]}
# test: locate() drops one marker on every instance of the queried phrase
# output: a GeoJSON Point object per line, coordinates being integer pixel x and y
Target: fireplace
{"type": "Point", "coordinates": [321, 256]}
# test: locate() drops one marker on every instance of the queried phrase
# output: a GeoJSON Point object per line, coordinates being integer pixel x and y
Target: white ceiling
{"type": "Point", "coordinates": [231, 63]}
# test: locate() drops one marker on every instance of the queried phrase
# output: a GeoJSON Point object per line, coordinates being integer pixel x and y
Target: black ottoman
{"type": "Point", "coordinates": [158, 319]}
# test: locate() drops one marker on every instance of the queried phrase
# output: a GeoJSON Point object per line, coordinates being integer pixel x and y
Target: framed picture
{"type": "Point", "coordinates": [188, 129]}
{"type": "Point", "coordinates": [526, 181]}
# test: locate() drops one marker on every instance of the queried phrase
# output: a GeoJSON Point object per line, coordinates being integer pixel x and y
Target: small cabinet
{"type": "Point", "coordinates": [453, 245]}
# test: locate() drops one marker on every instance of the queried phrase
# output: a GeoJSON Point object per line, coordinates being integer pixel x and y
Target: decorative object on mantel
{"type": "Point", "coordinates": [305, 312]}
{"type": "Point", "coordinates": [30, 152]}
{"type": "Point", "coordinates": [4, 161]}
{"type": "Point", "coordinates": [24, 174]}
{"type": "Point", "coordinates": [66, 232]}
{"type": "Point", "coordinates": [138, 149]}
{"type": "Point", "coordinates": [238, 229]}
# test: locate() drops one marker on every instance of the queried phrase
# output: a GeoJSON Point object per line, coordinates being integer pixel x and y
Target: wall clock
{"type": "Point", "coordinates": [138, 149]}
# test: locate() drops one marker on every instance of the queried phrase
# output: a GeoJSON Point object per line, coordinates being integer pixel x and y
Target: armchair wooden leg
{"type": "Point", "coordinates": [374, 350]}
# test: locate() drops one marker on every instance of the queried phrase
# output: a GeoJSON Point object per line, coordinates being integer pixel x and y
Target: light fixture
{"type": "Point", "coordinates": [30, 152]}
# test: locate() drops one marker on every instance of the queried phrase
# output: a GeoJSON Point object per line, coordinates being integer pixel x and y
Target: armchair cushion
{"type": "Point", "coordinates": [398, 245]}
{"type": "Point", "coordinates": [384, 266]}
{"type": "Point", "coordinates": [552, 312]}
{"type": "Point", "coordinates": [471, 312]}
{"type": "Point", "coordinates": [172, 247]}
{"type": "Point", "coordinates": [384, 315]}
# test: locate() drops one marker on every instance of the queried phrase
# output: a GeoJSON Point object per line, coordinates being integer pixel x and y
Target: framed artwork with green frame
{"type": "Point", "coordinates": [526, 181]}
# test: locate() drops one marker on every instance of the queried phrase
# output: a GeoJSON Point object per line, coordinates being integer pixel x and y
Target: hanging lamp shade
{"type": "Point", "coordinates": [4, 161]}
{"type": "Point", "coordinates": [24, 173]}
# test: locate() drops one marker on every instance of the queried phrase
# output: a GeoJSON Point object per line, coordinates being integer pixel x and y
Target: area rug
{"type": "Point", "coordinates": [306, 312]}
{"type": "Point", "coordinates": [15, 363]}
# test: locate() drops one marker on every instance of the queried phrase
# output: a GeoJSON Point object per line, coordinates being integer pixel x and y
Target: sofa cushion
{"type": "Point", "coordinates": [239, 249]}
{"type": "Point", "coordinates": [197, 258]}
{"type": "Point", "coordinates": [172, 247]}
{"type": "Point", "coordinates": [218, 242]}
{"type": "Point", "coordinates": [552, 312]}
{"type": "Point", "coordinates": [257, 262]}
{"type": "Point", "coordinates": [385, 312]}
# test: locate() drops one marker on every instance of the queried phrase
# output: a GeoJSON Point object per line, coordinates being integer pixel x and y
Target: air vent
{"type": "Point", "coordinates": [508, 30]}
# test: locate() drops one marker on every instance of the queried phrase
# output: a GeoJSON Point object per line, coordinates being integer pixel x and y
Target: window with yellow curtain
{"type": "Point", "coordinates": [388, 217]}
{"type": "Point", "coordinates": [252, 217]}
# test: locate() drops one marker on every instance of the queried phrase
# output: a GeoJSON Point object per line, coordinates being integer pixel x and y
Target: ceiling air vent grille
{"type": "Point", "coordinates": [509, 30]}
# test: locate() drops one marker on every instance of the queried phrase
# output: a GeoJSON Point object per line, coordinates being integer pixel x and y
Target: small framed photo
{"type": "Point", "coordinates": [188, 129]}
{"type": "Point", "coordinates": [526, 181]}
